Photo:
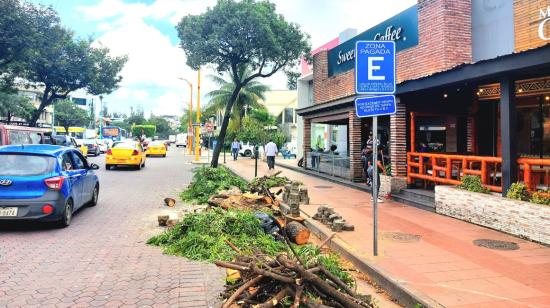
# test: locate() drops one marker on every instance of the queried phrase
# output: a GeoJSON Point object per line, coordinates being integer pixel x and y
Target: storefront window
{"type": "Point", "coordinates": [533, 126]}
{"type": "Point", "coordinates": [325, 137]}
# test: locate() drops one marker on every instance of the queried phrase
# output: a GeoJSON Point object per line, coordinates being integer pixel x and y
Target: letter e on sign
{"type": "Point", "coordinates": [371, 67]}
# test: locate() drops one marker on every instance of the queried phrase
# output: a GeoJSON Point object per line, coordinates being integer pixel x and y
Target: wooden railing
{"type": "Point", "coordinates": [449, 169]}
{"type": "Point", "coordinates": [534, 171]}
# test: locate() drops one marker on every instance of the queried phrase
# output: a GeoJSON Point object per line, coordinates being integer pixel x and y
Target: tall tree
{"type": "Point", "coordinates": [63, 65]}
{"type": "Point", "coordinates": [68, 114]}
{"type": "Point", "coordinates": [13, 105]}
{"type": "Point", "coordinates": [248, 97]}
{"type": "Point", "coordinates": [20, 22]}
{"type": "Point", "coordinates": [233, 34]}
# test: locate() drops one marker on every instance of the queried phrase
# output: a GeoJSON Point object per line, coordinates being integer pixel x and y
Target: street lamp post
{"type": "Point", "coordinates": [198, 129]}
{"type": "Point", "coordinates": [101, 117]}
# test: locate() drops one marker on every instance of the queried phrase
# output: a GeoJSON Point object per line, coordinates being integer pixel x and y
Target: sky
{"type": "Point", "coordinates": [144, 30]}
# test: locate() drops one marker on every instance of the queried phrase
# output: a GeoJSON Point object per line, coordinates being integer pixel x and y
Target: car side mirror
{"type": "Point", "coordinates": [94, 166]}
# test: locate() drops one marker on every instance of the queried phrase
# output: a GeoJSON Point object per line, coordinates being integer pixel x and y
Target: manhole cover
{"type": "Point", "coordinates": [401, 237]}
{"type": "Point", "coordinates": [497, 245]}
{"type": "Point", "coordinates": [323, 187]}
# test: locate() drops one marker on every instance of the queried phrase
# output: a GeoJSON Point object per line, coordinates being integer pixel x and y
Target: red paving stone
{"type": "Point", "coordinates": [101, 259]}
{"type": "Point", "coordinates": [444, 264]}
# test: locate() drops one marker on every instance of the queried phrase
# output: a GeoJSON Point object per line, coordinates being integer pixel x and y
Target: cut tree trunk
{"type": "Point", "coordinates": [297, 232]}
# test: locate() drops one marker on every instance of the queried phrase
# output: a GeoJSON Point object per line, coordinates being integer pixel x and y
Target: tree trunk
{"type": "Point", "coordinates": [45, 100]}
{"type": "Point", "coordinates": [297, 232]}
{"type": "Point", "coordinates": [225, 123]}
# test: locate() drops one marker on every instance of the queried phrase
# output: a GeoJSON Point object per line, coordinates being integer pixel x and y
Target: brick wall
{"type": "Point", "coordinates": [445, 40]}
{"type": "Point", "coordinates": [515, 217]}
{"type": "Point", "coordinates": [526, 24]}
{"type": "Point", "coordinates": [329, 88]}
{"type": "Point", "coordinates": [398, 140]}
{"type": "Point", "coordinates": [354, 131]}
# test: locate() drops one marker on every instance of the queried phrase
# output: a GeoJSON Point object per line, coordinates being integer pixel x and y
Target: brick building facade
{"type": "Point", "coordinates": [448, 36]}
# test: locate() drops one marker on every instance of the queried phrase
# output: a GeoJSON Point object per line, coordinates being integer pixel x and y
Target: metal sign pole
{"type": "Point", "coordinates": [375, 184]}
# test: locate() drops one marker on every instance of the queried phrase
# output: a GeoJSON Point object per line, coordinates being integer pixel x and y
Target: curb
{"type": "Point", "coordinates": [402, 294]}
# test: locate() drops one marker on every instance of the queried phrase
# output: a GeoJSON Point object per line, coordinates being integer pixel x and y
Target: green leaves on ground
{"type": "Point", "coordinates": [207, 181]}
{"type": "Point", "coordinates": [201, 236]}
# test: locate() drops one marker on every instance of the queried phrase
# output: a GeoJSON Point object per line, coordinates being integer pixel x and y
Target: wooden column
{"type": "Point", "coordinates": [307, 140]}
{"type": "Point", "coordinates": [398, 140]}
{"type": "Point", "coordinates": [413, 133]}
{"type": "Point", "coordinates": [354, 131]}
{"type": "Point", "coordinates": [508, 132]}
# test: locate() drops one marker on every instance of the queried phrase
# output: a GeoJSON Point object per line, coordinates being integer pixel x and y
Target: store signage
{"type": "Point", "coordinates": [401, 28]}
{"type": "Point", "coordinates": [544, 23]}
{"type": "Point", "coordinates": [375, 106]}
{"type": "Point", "coordinates": [375, 67]}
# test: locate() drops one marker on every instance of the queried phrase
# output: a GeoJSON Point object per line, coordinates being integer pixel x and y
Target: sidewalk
{"type": "Point", "coordinates": [444, 265]}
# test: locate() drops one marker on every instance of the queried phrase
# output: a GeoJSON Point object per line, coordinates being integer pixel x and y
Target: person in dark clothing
{"type": "Point", "coordinates": [381, 168]}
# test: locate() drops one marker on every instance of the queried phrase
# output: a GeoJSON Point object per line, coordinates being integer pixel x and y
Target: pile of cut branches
{"type": "Point", "coordinates": [262, 184]}
{"type": "Point", "coordinates": [267, 281]}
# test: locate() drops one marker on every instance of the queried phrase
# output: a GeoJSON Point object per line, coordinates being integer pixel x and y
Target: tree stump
{"type": "Point", "coordinates": [297, 232]}
{"type": "Point", "coordinates": [162, 219]}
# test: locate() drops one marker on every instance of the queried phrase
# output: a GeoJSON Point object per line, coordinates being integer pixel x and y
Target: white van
{"type": "Point", "coordinates": [181, 140]}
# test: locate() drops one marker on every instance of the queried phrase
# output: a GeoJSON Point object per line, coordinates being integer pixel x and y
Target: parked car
{"type": "Point", "coordinates": [125, 153]}
{"type": "Point", "coordinates": [14, 134]}
{"type": "Point", "coordinates": [93, 146]}
{"type": "Point", "coordinates": [45, 182]}
{"type": "Point", "coordinates": [247, 149]}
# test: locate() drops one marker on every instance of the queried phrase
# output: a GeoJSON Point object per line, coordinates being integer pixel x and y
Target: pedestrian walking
{"type": "Point", "coordinates": [370, 169]}
{"type": "Point", "coordinates": [235, 147]}
{"type": "Point", "coordinates": [270, 152]}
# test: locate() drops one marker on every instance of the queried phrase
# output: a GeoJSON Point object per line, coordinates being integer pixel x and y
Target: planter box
{"type": "Point", "coordinates": [391, 184]}
{"type": "Point", "coordinates": [523, 219]}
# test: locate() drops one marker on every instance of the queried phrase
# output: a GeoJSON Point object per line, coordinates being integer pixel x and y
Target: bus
{"type": "Point", "coordinates": [76, 132]}
{"type": "Point", "coordinates": [114, 133]}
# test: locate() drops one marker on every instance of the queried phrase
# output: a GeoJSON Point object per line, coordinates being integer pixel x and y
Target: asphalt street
{"type": "Point", "coordinates": [102, 258]}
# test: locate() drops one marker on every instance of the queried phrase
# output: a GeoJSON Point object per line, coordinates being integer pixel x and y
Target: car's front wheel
{"type": "Point", "coordinates": [248, 153]}
{"type": "Point", "coordinates": [67, 215]}
{"type": "Point", "coordinates": [95, 196]}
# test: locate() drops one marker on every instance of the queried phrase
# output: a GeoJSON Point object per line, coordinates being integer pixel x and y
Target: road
{"type": "Point", "coordinates": [102, 258]}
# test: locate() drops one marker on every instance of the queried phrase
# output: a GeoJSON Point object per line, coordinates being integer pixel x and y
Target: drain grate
{"type": "Point", "coordinates": [323, 187]}
{"type": "Point", "coordinates": [496, 245]}
{"type": "Point", "coordinates": [401, 237]}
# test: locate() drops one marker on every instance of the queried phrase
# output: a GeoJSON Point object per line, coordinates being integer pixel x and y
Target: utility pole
{"type": "Point", "coordinates": [101, 117]}
{"type": "Point", "coordinates": [198, 128]}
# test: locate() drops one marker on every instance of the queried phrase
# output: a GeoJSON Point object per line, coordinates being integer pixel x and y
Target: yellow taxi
{"type": "Point", "coordinates": [157, 148]}
{"type": "Point", "coordinates": [125, 153]}
{"type": "Point", "coordinates": [82, 147]}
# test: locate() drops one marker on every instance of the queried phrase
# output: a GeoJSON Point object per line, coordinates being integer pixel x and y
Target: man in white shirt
{"type": "Point", "coordinates": [270, 152]}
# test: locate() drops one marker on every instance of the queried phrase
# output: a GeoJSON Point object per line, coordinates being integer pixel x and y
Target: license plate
{"type": "Point", "coordinates": [8, 211]}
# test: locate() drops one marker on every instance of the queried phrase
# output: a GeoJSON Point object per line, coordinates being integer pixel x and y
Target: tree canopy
{"type": "Point", "coordinates": [68, 114]}
{"type": "Point", "coordinates": [248, 97]}
{"type": "Point", "coordinates": [13, 105]}
{"type": "Point", "coordinates": [37, 48]}
{"type": "Point", "coordinates": [233, 34]}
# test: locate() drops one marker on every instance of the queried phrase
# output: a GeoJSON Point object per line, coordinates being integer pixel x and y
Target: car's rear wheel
{"type": "Point", "coordinates": [108, 167]}
{"type": "Point", "coordinates": [164, 155]}
{"type": "Point", "coordinates": [67, 215]}
{"type": "Point", "coordinates": [95, 196]}
{"type": "Point", "coordinates": [248, 153]}
{"type": "Point", "coordinates": [138, 167]}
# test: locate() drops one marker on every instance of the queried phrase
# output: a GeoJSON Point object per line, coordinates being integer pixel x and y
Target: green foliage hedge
{"type": "Point", "coordinates": [473, 183]}
{"type": "Point", "coordinates": [207, 181]}
{"type": "Point", "coordinates": [148, 130]}
{"type": "Point", "coordinates": [518, 191]}
{"type": "Point", "coordinates": [541, 197]}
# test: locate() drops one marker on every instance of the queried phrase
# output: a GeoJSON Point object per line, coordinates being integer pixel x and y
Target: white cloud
{"type": "Point", "coordinates": [157, 63]}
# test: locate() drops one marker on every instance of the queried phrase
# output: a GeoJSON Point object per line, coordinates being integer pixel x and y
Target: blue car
{"type": "Point", "coordinates": [45, 182]}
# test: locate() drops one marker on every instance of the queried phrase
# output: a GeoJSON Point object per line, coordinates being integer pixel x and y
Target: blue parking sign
{"type": "Point", "coordinates": [375, 106]}
{"type": "Point", "coordinates": [375, 67]}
